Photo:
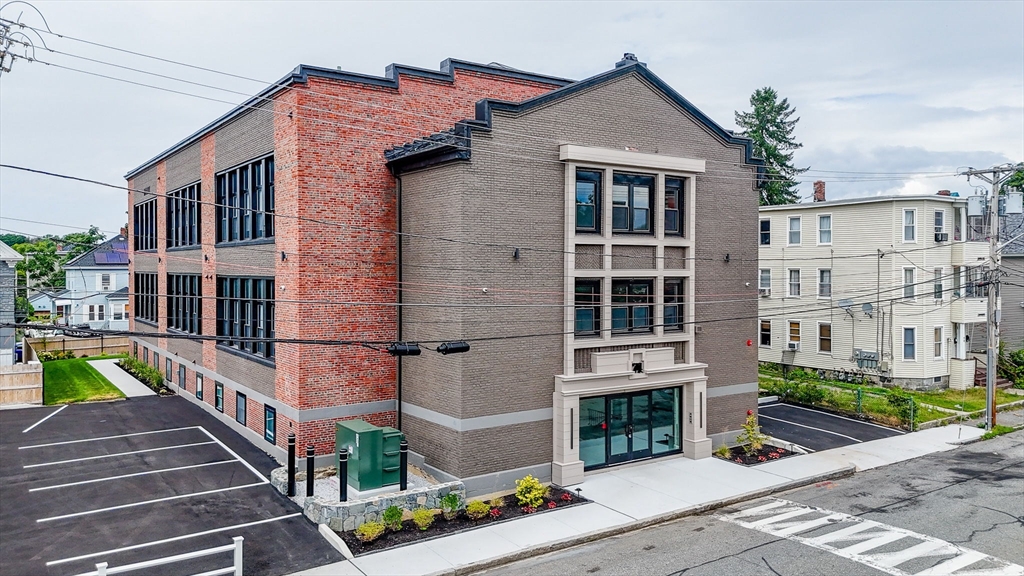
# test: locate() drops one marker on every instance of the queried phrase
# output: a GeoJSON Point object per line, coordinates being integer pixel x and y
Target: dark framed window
{"type": "Point", "coordinates": [240, 408]}
{"type": "Point", "coordinates": [218, 396]}
{"type": "Point", "coordinates": [245, 311]}
{"type": "Point", "coordinates": [269, 424]}
{"type": "Point", "coordinates": [199, 386]}
{"type": "Point", "coordinates": [631, 305]}
{"type": "Point", "coordinates": [145, 297]}
{"type": "Point", "coordinates": [766, 232]}
{"type": "Point", "coordinates": [675, 206]}
{"type": "Point", "coordinates": [167, 370]}
{"type": "Point", "coordinates": [181, 378]}
{"type": "Point", "coordinates": [766, 333]}
{"type": "Point", "coordinates": [588, 307]}
{"type": "Point", "coordinates": [184, 216]}
{"type": "Point", "coordinates": [185, 303]}
{"type": "Point", "coordinates": [631, 202]}
{"type": "Point", "coordinates": [135, 349]}
{"type": "Point", "coordinates": [675, 303]}
{"type": "Point", "coordinates": [144, 225]}
{"type": "Point", "coordinates": [588, 201]}
{"type": "Point", "coordinates": [145, 355]}
{"type": "Point", "coordinates": [245, 202]}
{"type": "Point", "coordinates": [824, 337]}
{"type": "Point", "coordinates": [156, 361]}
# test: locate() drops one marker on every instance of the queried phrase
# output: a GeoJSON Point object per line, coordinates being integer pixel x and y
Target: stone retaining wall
{"type": "Point", "coordinates": [344, 516]}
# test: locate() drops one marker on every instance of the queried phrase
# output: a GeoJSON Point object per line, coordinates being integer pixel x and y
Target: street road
{"type": "Point", "coordinates": [950, 513]}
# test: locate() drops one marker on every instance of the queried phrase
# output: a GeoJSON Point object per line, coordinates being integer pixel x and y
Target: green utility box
{"type": "Point", "coordinates": [373, 453]}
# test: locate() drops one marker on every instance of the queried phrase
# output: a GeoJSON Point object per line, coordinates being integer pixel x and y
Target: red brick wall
{"type": "Point", "coordinates": [208, 236]}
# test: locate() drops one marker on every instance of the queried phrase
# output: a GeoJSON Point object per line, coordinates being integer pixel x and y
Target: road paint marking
{"type": "Point", "coordinates": [131, 475]}
{"type": "Point", "coordinates": [237, 457]}
{"type": "Point", "coordinates": [117, 454]}
{"type": "Point", "coordinates": [775, 518]}
{"type": "Point", "coordinates": [144, 502]}
{"type": "Point", "coordinates": [51, 415]}
{"type": "Point", "coordinates": [104, 437]}
{"type": "Point", "coordinates": [837, 416]}
{"type": "Point", "coordinates": [174, 539]}
{"type": "Point", "coordinates": [811, 427]}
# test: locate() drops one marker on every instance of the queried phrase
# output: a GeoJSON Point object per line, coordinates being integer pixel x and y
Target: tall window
{"type": "Point", "coordinates": [588, 307]}
{"type": "Point", "coordinates": [794, 230]}
{"type": "Point", "coordinates": [909, 225]}
{"type": "Point", "coordinates": [940, 221]}
{"type": "Point", "coordinates": [96, 313]}
{"type": "Point", "coordinates": [167, 370]}
{"type": "Point", "coordinates": [675, 310]}
{"type": "Point", "coordinates": [908, 283]}
{"type": "Point", "coordinates": [764, 279]}
{"type": "Point", "coordinates": [184, 217]}
{"type": "Point", "coordinates": [269, 424]}
{"type": "Point", "coordinates": [824, 229]}
{"type": "Point", "coordinates": [118, 312]}
{"type": "Point", "coordinates": [825, 283]}
{"type": "Point", "coordinates": [766, 232]}
{"type": "Point", "coordinates": [631, 305]}
{"type": "Point", "coordinates": [938, 283]}
{"type": "Point", "coordinates": [937, 352]}
{"type": "Point", "coordinates": [825, 337]}
{"type": "Point", "coordinates": [199, 386]}
{"type": "Point", "coordinates": [105, 282]}
{"type": "Point", "coordinates": [145, 297]}
{"type": "Point", "coordinates": [240, 408]}
{"type": "Point", "coordinates": [184, 302]}
{"type": "Point", "coordinates": [794, 332]}
{"type": "Point", "coordinates": [766, 333]}
{"type": "Point", "coordinates": [245, 309]}
{"type": "Point", "coordinates": [218, 396]}
{"type": "Point", "coordinates": [245, 202]}
{"type": "Point", "coordinates": [675, 207]}
{"type": "Point", "coordinates": [909, 343]}
{"type": "Point", "coordinates": [631, 202]}
{"type": "Point", "coordinates": [144, 224]}
{"type": "Point", "coordinates": [794, 282]}
{"type": "Point", "coordinates": [588, 201]}
{"type": "Point", "coordinates": [181, 377]}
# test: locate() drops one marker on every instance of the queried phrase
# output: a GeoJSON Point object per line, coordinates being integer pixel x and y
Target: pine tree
{"type": "Point", "coordinates": [771, 129]}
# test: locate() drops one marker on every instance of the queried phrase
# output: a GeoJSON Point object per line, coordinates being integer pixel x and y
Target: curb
{"type": "Point", "coordinates": [639, 524]}
{"type": "Point", "coordinates": [335, 540]}
{"type": "Point", "coordinates": [982, 438]}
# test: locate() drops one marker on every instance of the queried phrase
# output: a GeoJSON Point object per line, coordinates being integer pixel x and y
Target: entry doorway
{"type": "Point", "coordinates": [625, 427]}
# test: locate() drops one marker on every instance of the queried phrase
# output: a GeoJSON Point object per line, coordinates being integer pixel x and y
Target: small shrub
{"type": "Point", "coordinates": [392, 518]}
{"type": "Point", "coordinates": [369, 531]}
{"type": "Point", "coordinates": [495, 512]}
{"type": "Point", "coordinates": [498, 502]}
{"type": "Point", "coordinates": [723, 451]}
{"type": "Point", "coordinates": [529, 509]}
{"type": "Point", "coordinates": [551, 505]}
{"type": "Point", "coordinates": [530, 492]}
{"type": "Point", "coordinates": [901, 401]}
{"type": "Point", "coordinates": [477, 509]}
{"type": "Point", "coordinates": [423, 518]}
{"type": "Point", "coordinates": [751, 438]}
{"type": "Point", "coordinates": [450, 505]}
{"type": "Point", "coordinates": [566, 497]}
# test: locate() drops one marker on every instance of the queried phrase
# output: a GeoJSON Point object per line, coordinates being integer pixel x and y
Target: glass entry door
{"type": "Point", "coordinates": [626, 427]}
{"type": "Point", "coordinates": [629, 430]}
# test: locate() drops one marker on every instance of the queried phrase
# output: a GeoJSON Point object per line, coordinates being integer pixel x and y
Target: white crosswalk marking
{"type": "Point", "coordinates": [855, 538]}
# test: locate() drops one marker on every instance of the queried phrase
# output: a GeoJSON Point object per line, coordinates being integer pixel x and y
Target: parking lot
{"type": "Point", "coordinates": [816, 430]}
{"type": "Point", "coordinates": [130, 481]}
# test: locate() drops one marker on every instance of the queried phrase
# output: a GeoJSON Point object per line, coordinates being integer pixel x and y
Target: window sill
{"type": "Point", "coordinates": [270, 363]}
{"type": "Point", "coordinates": [257, 241]}
{"type": "Point", "coordinates": [147, 322]}
{"type": "Point", "coordinates": [184, 248]}
{"type": "Point", "coordinates": [181, 332]}
{"type": "Point", "coordinates": [146, 251]}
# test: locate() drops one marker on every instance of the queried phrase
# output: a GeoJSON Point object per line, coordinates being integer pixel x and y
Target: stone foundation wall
{"type": "Point", "coordinates": [344, 516]}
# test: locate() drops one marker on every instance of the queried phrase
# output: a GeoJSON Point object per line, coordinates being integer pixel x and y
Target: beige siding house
{"type": "Point", "coordinates": [883, 287]}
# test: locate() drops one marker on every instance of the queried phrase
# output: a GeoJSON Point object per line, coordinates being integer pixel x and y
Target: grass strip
{"type": "Point", "coordinates": [68, 381]}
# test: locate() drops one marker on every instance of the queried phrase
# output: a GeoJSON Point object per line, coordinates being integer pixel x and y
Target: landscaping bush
{"type": "Point", "coordinates": [809, 394]}
{"type": "Point", "coordinates": [723, 452]}
{"type": "Point", "coordinates": [901, 401]}
{"type": "Point", "coordinates": [56, 355]}
{"type": "Point", "coordinates": [477, 509]}
{"type": "Point", "coordinates": [392, 518]}
{"type": "Point", "coordinates": [802, 375]}
{"type": "Point", "coordinates": [530, 492]}
{"type": "Point", "coordinates": [369, 531]}
{"type": "Point", "coordinates": [423, 518]}
{"type": "Point", "coordinates": [751, 438]}
{"type": "Point", "coordinates": [143, 372]}
{"type": "Point", "coordinates": [450, 505]}
{"type": "Point", "coordinates": [498, 502]}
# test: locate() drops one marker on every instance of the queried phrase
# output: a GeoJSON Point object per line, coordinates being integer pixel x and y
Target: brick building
{"type": "Point", "coordinates": [280, 218]}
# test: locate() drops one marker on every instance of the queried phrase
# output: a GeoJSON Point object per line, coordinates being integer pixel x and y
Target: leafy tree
{"type": "Point", "coordinates": [770, 127]}
{"type": "Point", "coordinates": [1016, 181]}
{"type": "Point", "coordinates": [12, 239]}
{"type": "Point", "coordinates": [42, 264]}
{"type": "Point", "coordinates": [22, 309]}
{"type": "Point", "coordinates": [81, 242]}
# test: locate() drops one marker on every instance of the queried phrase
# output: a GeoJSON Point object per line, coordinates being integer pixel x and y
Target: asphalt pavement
{"type": "Point", "coordinates": [815, 429]}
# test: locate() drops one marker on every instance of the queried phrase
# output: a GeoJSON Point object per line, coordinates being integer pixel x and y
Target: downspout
{"type": "Point", "coordinates": [398, 311]}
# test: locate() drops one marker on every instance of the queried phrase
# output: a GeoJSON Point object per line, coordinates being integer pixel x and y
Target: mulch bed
{"type": "Point", "coordinates": [410, 534]}
{"type": "Point", "coordinates": [766, 454]}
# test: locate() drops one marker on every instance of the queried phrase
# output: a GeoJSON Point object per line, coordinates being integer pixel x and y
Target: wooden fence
{"type": "Point", "coordinates": [94, 346]}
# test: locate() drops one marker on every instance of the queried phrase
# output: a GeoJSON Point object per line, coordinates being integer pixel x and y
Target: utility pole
{"type": "Point", "coordinates": [994, 176]}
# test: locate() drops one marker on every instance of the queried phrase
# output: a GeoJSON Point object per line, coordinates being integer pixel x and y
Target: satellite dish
{"type": "Point", "coordinates": [846, 304]}
{"type": "Point", "coordinates": [867, 308]}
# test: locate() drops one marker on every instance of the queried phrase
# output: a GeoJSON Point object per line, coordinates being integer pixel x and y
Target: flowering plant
{"type": "Point", "coordinates": [495, 512]}
{"type": "Point", "coordinates": [551, 505]}
{"type": "Point", "coordinates": [566, 497]}
{"type": "Point", "coordinates": [529, 509]}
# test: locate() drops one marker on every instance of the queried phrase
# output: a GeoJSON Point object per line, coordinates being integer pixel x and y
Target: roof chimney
{"type": "Point", "coordinates": [944, 193]}
{"type": "Point", "coordinates": [627, 59]}
{"type": "Point", "coordinates": [819, 191]}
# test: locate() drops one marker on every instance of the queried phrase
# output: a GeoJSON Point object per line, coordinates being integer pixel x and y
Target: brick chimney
{"type": "Point", "coordinates": [943, 192]}
{"type": "Point", "coordinates": [819, 191]}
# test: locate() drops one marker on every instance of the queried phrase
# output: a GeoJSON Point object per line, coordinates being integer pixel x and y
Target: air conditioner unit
{"type": "Point", "coordinates": [764, 292]}
{"type": "Point", "coordinates": [794, 346]}
{"type": "Point", "coordinates": [941, 236]}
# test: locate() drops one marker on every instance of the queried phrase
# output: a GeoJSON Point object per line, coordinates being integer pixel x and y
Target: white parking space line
{"type": "Point", "coordinates": [117, 454]}
{"type": "Point", "coordinates": [237, 457]}
{"type": "Point", "coordinates": [104, 437]}
{"type": "Point", "coordinates": [144, 502]}
{"type": "Point", "coordinates": [131, 475]}
{"type": "Point", "coordinates": [835, 416]}
{"type": "Point", "coordinates": [174, 539]}
{"type": "Point", "coordinates": [811, 427]}
{"type": "Point", "coordinates": [50, 415]}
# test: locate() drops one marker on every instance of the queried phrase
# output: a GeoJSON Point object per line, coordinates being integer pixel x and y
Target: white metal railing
{"type": "Point", "coordinates": [236, 566]}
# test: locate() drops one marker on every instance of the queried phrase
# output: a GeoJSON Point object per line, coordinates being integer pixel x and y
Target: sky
{"type": "Point", "coordinates": [915, 90]}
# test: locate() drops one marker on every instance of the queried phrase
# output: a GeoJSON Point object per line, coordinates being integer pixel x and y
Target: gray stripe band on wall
{"type": "Point", "coordinates": [730, 390]}
{"type": "Point", "coordinates": [480, 422]}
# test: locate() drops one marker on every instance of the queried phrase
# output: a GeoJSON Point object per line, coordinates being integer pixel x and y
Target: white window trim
{"type": "Point", "coordinates": [903, 284]}
{"type": "Point", "coordinates": [759, 286]}
{"type": "Point", "coordinates": [903, 342]}
{"type": "Point", "coordinates": [943, 212]}
{"type": "Point", "coordinates": [771, 333]}
{"type": "Point", "coordinates": [800, 332]}
{"type": "Point", "coordinates": [830, 229]}
{"type": "Point", "coordinates": [817, 338]}
{"type": "Point", "coordinates": [903, 226]}
{"type": "Point", "coordinates": [769, 221]}
{"type": "Point", "coordinates": [799, 219]}
{"type": "Point", "coordinates": [942, 342]}
{"type": "Point", "coordinates": [940, 280]}
{"type": "Point", "coordinates": [799, 275]}
{"type": "Point", "coordinates": [817, 285]}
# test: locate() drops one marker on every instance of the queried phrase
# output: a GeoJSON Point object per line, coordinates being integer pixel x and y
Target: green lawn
{"type": "Point", "coordinates": [970, 400]}
{"type": "Point", "coordinates": [66, 381]}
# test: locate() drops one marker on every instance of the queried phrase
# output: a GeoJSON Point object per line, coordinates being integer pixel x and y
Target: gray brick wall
{"type": "Point", "coordinates": [183, 167]}
{"type": "Point", "coordinates": [145, 179]}
{"type": "Point", "coordinates": [189, 261]}
{"type": "Point", "coordinates": [255, 260]}
{"type": "Point", "coordinates": [188, 349]}
{"type": "Point", "coordinates": [247, 372]}
{"type": "Point", "coordinates": [249, 136]}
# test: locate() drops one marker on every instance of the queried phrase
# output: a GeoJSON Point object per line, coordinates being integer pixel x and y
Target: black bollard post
{"type": "Point", "coordinates": [309, 470]}
{"type": "Point", "coordinates": [343, 473]}
{"type": "Point", "coordinates": [403, 465]}
{"type": "Point", "coordinates": [291, 465]}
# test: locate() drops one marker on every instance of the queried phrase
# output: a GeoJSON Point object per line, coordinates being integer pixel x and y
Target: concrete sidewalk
{"type": "Point", "coordinates": [629, 497]}
{"type": "Point", "coordinates": [123, 380]}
